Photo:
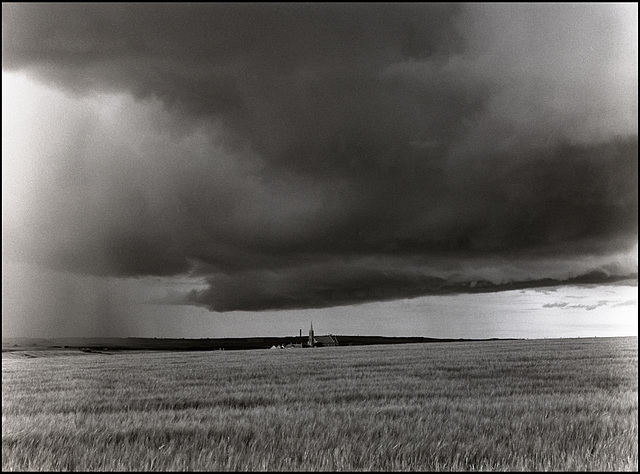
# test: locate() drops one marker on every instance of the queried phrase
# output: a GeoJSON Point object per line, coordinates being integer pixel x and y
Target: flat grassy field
{"type": "Point", "coordinates": [558, 404]}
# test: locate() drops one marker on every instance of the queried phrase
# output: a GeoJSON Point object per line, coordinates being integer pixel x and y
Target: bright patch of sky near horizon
{"type": "Point", "coordinates": [40, 302]}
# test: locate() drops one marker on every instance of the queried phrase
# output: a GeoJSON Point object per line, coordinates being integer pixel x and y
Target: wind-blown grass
{"type": "Point", "coordinates": [499, 405]}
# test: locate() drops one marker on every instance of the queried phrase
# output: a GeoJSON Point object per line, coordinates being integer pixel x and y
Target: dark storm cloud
{"type": "Point", "coordinates": [309, 155]}
{"type": "Point", "coordinates": [332, 285]}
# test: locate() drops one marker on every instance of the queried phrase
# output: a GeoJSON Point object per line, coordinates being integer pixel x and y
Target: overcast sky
{"type": "Point", "coordinates": [210, 170]}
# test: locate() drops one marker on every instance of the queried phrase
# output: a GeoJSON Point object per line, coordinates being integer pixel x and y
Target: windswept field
{"type": "Point", "coordinates": [567, 404]}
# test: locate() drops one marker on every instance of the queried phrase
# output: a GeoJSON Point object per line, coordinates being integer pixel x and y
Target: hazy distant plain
{"type": "Point", "coordinates": [566, 404]}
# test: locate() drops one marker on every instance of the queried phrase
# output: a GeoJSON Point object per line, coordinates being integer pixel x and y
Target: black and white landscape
{"type": "Point", "coordinates": [236, 171]}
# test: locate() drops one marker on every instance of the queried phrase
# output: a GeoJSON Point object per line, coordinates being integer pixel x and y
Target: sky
{"type": "Point", "coordinates": [221, 170]}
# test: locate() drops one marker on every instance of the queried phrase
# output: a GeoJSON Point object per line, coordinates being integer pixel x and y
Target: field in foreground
{"type": "Point", "coordinates": [565, 404]}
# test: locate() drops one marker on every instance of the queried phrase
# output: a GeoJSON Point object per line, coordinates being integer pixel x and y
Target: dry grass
{"type": "Point", "coordinates": [500, 405]}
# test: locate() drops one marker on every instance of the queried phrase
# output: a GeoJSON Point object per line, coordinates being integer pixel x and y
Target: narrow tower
{"type": "Point", "coordinates": [311, 338]}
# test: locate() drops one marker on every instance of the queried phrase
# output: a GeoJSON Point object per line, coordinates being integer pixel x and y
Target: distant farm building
{"type": "Point", "coordinates": [326, 341]}
{"type": "Point", "coordinates": [320, 341]}
{"type": "Point", "coordinates": [312, 340]}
